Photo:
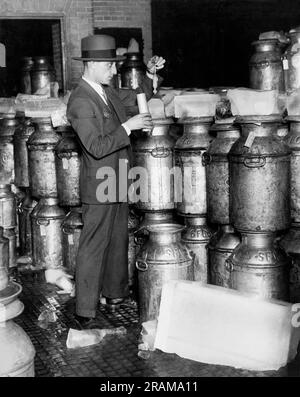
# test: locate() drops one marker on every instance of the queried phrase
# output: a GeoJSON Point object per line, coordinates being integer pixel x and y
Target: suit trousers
{"type": "Point", "coordinates": [102, 258]}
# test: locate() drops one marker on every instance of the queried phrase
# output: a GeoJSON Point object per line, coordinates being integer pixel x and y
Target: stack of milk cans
{"type": "Point", "coordinates": [39, 185]}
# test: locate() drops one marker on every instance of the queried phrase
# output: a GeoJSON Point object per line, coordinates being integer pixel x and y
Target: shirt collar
{"type": "Point", "coordinates": [97, 87]}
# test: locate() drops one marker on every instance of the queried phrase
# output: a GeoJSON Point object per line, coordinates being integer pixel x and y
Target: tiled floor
{"type": "Point", "coordinates": [116, 355]}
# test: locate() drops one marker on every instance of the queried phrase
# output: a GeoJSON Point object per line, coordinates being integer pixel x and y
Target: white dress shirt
{"type": "Point", "coordinates": [100, 91]}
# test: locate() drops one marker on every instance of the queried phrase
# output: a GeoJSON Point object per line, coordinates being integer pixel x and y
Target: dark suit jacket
{"type": "Point", "coordinates": [103, 140]}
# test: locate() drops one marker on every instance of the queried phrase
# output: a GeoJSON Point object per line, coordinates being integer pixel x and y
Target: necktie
{"type": "Point", "coordinates": [103, 93]}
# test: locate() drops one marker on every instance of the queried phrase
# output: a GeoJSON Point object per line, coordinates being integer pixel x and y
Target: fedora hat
{"type": "Point", "coordinates": [99, 47]}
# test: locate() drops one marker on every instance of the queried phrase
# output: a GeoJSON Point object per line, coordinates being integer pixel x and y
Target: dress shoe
{"type": "Point", "coordinates": [86, 322]}
{"type": "Point", "coordinates": [115, 303]}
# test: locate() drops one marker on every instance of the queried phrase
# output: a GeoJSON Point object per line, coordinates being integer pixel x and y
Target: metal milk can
{"type": "Point", "coordinates": [17, 350]}
{"type": "Point", "coordinates": [133, 223]}
{"type": "Point", "coordinates": [259, 166]}
{"type": "Point", "coordinates": [7, 207]}
{"type": "Point", "coordinates": [290, 242]}
{"type": "Point", "coordinates": [25, 81]}
{"type": "Point", "coordinates": [153, 154]}
{"type": "Point", "coordinates": [133, 70]}
{"type": "Point", "coordinates": [41, 74]}
{"type": "Point", "coordinates": [217, 172]}
{"type": "Point", "coordinates": [47, 235]}
{"type": "Point", "coordinates": [72, 226]}
{"type": "Point", "coordinates": [25, 233]}
{"type": "Point", "coordinates": [151, 218]}
{"type": "Point", "coordinates": [283, 131]}
{"type": "Point", "coordinates": [162, 258]}
{"type": "Point", "coordinates": [260, 267]}
{"type": "Point", "coordinates": [8, 125]}
{"type": "Point", "coordinates": [21, 136]}
{"type": "Point", "coordinates": [67, 162]}
{"type": "Point", "coordinates": [41, 158]}
{"type": "Point", "coordinates": [266, 69]}
{"type": "Point", "coordinates": [220, 247]}
{"type": "Point", "coordinates": [293, 141]}
{"type": "Point", "coordinates": [190, 191]}
{"type": "Point", "coordinates": [291, 61]}
{"type": "Point", "coordinates": [196, 236]}
{"type": "Point", "coordinates": [10, 234]}
{"type": "Point", "coordinates": [4, 260]}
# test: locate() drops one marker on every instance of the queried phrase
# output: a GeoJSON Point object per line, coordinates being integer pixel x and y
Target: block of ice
{"type": "Point", "coordinates": [156, 108]}
{"type": "Point", "coordinates": [248, 102]}
{"type": "Point", "coordinates": [196, 105]}
{"type": "Point", "coordinates": [216, 325]}
{"type": "Point", "coordinates": [293, 103]}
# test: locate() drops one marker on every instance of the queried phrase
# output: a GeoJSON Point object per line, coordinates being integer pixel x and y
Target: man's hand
{"type": "Point", "coordinates": [140, 121]}
{"type": "Point", "coordinates": [155, 63]}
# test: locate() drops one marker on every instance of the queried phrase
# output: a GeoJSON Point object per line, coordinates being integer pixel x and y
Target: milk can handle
{"type": "Point", "coordinates": [43, 222]}
{"type": "Point", "coordinates": [193, 257]}
{"type": "Point", "coordinates": [206, 159]}
{"type": "Point", "coordinates": [228, 265]}
{"type": "Point", "coordinates": [143, 263]}
{"type": "Point", "coordinates": [255, 162]}
{"type": "Point", "coordinates": [67, 155]}
{"type": "Point", "coordinates": [138, 240]}
{"type": "Point", "coordinates": [160, 152]}
{"type": "Point", "coordinates": [19, 208]}
{"type": "Point", "coordinates": [262, 65]}
{"type": "Point", "coordinates": [63, 228]}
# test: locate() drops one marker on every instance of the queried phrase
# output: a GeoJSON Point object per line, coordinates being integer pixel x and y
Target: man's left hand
{"type": "Point", "coordinates": [155, 63]}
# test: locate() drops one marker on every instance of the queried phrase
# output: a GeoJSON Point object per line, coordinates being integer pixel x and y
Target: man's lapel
{"type": "Point", "coordinates": [115, 102]}
{"type": "Point", "coordinates": [96, 97]}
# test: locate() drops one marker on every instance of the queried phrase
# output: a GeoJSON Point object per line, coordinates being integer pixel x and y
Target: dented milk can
{"type": "Point", "coordinates": [196, 237]}
{"type": "Point", "coordinates": [220, 247]}
{"type": "Point", "coordinates": [260, 267]}
{"type": "Point", "coordinates": [41, 157]}
{"type": "Point", "coordinates": [162, 258]}
{"type": "Point", "coordinates": [72, 226]}
{"type": "Point", "coordinates": [47, 235]}
{"type": "Point", "coordinates": [190, 189]}
{"type": "Point", "coordinates": [259, 166]}
{"type": "Point", "coordinates": [217, 171]}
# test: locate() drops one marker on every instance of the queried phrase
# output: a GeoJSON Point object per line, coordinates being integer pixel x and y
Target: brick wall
{"type": "Point", "coordinates": [125, 13]}
{"type": "Point", "coordinates": [77, 22]}
{"type": "Point", "coordinates": [57, 58]}
{"type": "Point", "coordinates": [79, 18]}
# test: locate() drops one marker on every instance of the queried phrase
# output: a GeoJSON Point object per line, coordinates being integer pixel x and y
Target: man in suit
{"type": "Point", "coordinates": [97, 114]}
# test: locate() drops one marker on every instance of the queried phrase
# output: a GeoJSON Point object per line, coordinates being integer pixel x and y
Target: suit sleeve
{"type": "Point", "coordinates": [91, 132]}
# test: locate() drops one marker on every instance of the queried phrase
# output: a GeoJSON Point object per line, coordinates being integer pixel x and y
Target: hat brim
{"type": "Point", "coordinates": [115, 59]}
